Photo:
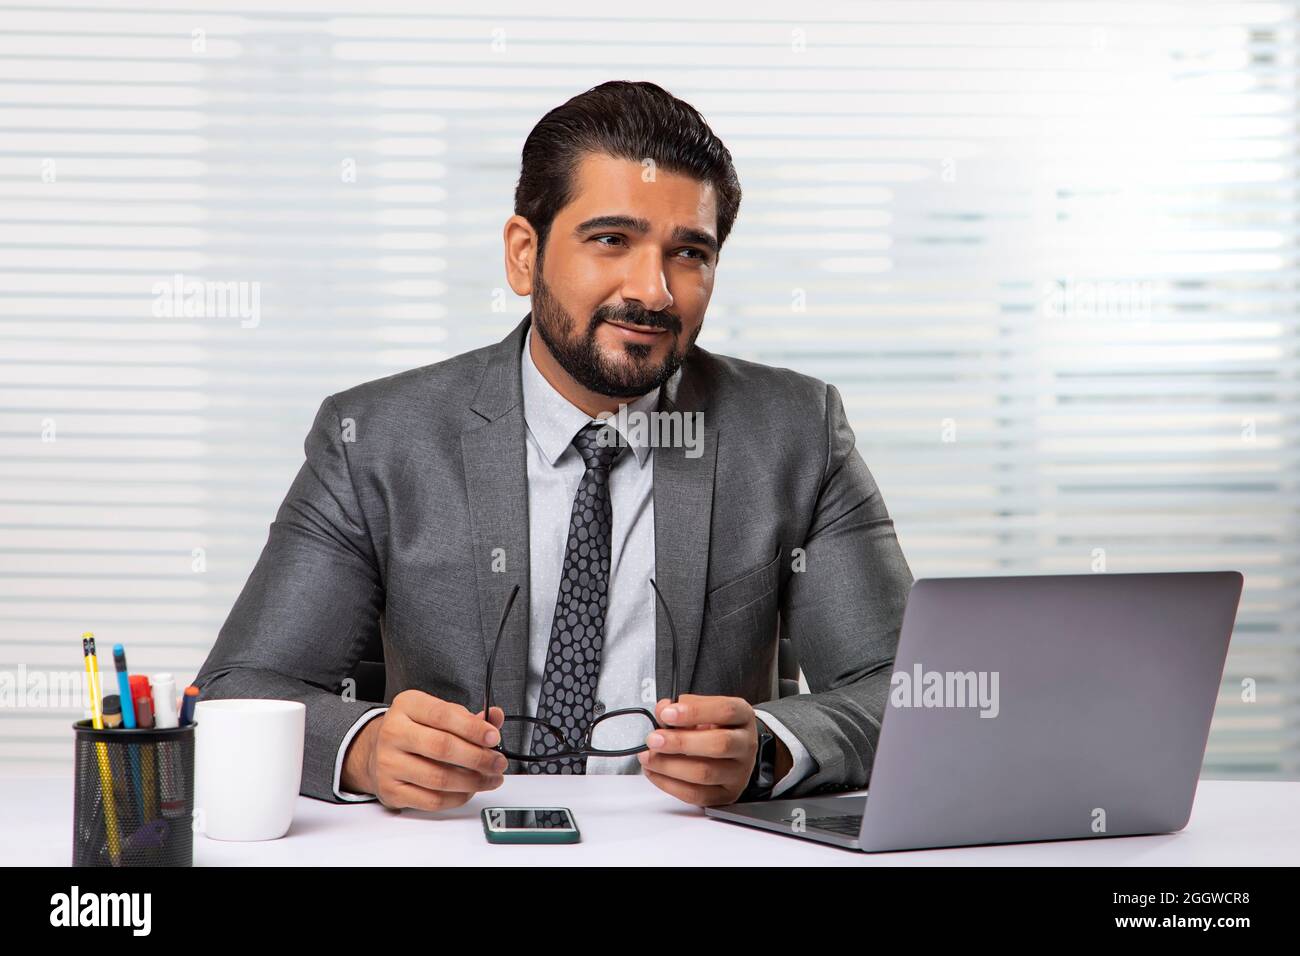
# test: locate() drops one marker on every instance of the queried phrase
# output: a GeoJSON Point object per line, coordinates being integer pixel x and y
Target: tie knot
{"type": "Point", "coordinates": [598, 444]}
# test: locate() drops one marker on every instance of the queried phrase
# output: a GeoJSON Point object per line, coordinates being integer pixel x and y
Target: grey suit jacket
{"type": "Point", "coordinates": [413, 482]}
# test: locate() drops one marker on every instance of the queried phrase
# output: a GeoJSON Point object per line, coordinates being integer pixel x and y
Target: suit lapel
{"type": "Point", "coordinates": [683, 496]}
{"type": "Point", "coordinates": [496, 483]}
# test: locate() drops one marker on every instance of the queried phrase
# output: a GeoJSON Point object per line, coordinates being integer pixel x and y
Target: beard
{"type": "Point", "coordinates": [581, 356]}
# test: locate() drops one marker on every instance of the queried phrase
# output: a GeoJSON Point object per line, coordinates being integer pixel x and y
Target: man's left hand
{"type": "Point", "coordinates": [705, 753]}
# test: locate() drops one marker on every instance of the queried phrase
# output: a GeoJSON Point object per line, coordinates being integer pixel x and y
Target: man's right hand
{"type": "Point", "coordinates": [425, 753]}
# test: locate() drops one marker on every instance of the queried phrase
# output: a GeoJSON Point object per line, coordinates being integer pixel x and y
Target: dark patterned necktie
{"type": "Point", "coordinates": [568, 694]}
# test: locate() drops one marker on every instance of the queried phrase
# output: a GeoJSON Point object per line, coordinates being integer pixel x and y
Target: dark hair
{"type": "Point", "coordinates": [626, 120]}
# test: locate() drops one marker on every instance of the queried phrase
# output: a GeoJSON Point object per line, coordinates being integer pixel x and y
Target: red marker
{"type": "Point", "coordinates": [142, 697]}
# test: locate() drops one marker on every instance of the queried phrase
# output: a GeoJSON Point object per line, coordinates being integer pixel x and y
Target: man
{"type": "Point", "coordinates": [428, 497]}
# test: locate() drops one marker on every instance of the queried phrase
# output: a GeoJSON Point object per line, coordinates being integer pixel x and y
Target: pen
{"type": "Point", "coordinates": [173, 799]}
{"type": "Point", "coordinates": [187, 705]}
{"type": "Point", "coordinates": [144, 720]}
{"type": "Point", "coordinates": [128, 721]}
{"type": "Point", "coordinates": [101, 751]}
{"type": "Point", "coordinates": [124, 687]}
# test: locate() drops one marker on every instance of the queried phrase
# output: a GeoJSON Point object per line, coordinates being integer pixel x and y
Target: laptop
{"type": "Point", "coordinates": [1042, 707]}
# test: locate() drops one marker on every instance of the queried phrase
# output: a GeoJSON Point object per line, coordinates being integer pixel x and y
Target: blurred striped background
{"type": "Point", "coordinates": [1046, 251]}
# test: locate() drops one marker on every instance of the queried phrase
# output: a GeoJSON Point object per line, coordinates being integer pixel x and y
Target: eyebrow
{"type": "Point", "coordinates": [641, 227]}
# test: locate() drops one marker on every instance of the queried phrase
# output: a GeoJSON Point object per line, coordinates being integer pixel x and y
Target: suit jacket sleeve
{"type": "Point", "coordinates": [843, 613]}
{"type": "Point", "coordinates": [307, 611]}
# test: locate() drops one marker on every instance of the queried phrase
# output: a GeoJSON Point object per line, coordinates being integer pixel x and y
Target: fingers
{"type": "Point", "coordinates": [704, 751]}
{"type": "Point", "coordinates": [697, 770]}
{"type": "Point", "coordinates": [435, 754]}
{"type": "Point", "coordinates": [410, 780]}
{"type": "Point", "coordinates": [445, 747]}
{"type": "Point", "coordinates": [700, 796]}
{"type": "Point", "coordinates": [400, 795]}
{"type": "Point", "coordinates": [445, 715]}
{"type": "Point", "coordinates": [695, 709]}
{"type": "Point", "coordinates": [718, 743]}
{"type": "Point", "coordinates": [435, 775]}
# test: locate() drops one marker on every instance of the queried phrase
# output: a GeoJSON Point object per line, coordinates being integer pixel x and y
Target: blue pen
{"type": "Point", "coordinates": [128, 721]}
{"type": "Point", "coordinates": [187, 705]}
{"type": "Point", "coordinates": [124, 685]}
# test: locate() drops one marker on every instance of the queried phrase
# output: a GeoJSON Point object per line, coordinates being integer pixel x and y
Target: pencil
{"type": "Point", "coordinates": [101, 750]}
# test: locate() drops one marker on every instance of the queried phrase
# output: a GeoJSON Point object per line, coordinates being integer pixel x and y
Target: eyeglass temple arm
{"type": "Point", "coordinates": [672, 629]}
{"type": "Point", "coordinates": [505, 615]}
{"type": "Point", "coordinates": [492, 658]}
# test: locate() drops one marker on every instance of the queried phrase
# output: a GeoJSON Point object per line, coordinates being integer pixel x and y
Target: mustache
{"type": "Point", "coordinates": [637, 316]}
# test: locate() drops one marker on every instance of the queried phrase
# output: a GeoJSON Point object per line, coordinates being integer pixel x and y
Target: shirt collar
{"type": "Point", "coordinates": [553, 420]}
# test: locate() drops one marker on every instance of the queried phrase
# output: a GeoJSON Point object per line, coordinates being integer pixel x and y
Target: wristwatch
{"type": "Point", "coordinates": [762, 780]}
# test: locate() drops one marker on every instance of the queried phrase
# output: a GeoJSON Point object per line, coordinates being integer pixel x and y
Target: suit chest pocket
{"type": "Point", "coordinates": [734, 596]}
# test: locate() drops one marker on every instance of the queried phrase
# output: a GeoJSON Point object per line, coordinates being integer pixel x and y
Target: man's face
{"type": "Point", "coordinates": [626, 275]}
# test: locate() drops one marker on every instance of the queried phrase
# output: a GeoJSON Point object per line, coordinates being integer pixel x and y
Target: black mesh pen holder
{"type": "Point", "coordinates": [134, 799]}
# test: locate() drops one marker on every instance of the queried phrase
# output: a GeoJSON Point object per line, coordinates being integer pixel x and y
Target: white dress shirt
{"type": "Point", "coordinates": [627, 661]}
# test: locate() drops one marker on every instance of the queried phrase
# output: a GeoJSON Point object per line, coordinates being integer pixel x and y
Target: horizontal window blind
{"type": "Point", "coordinates": [1046, 251]}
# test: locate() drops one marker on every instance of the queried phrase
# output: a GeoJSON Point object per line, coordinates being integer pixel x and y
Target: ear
{"type": "Point", "coordinates": [520, 241]}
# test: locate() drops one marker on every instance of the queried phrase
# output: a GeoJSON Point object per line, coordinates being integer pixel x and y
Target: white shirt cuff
{"type": "Point", "coordinates": [803, 762]}
{"type": "Point", "coordinates": [343, 749]}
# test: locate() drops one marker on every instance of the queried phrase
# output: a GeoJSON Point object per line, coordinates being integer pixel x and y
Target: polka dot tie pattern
{"type": "Point", "coordinates": [568, 695]}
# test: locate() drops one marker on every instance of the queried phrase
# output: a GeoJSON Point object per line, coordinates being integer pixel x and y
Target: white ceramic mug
{"type": "Point", "coordinates": [247, 767]}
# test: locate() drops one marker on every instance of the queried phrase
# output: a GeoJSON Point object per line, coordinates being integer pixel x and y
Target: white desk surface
{"type": "Point", "coordinates": [625, 820]}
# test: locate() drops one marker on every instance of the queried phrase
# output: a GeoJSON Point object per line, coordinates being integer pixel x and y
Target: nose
{"type": "Point", "coordinates": [645, 282]}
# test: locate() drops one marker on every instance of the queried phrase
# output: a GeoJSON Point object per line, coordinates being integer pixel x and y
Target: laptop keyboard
{"type": "Point", "coordinates": [850, 824]}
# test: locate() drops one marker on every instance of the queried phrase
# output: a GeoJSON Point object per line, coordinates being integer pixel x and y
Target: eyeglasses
{"type": "Point", "coordinates": [610, 727]}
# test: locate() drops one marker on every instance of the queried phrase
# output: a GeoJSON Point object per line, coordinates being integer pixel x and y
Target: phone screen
{"type": "Point", "coordinates": [529, 818]}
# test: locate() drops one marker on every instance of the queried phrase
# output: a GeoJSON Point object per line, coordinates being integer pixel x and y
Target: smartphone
{"type": "Point", "coordinates": [530, 825]}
